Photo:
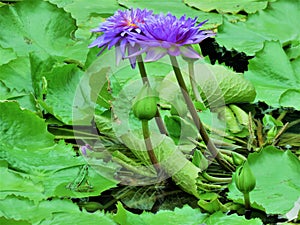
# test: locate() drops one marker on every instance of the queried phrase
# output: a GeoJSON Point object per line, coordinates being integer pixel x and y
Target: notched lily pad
{"type": "Point", "coordinates": [277, 180]}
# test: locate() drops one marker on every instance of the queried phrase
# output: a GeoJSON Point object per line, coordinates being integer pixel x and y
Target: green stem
{"type": "Point", "coordinates": [150, 151]}
{"type": "Point", "coordinates": [210, 145]}
{"type": "Point", "coordinates": [282, 115]}
{"type": "Point", "coordinates": [75, 137]}
{"type": "Point", "coordinates": [216, 179]}
{"type": "Point", "coordinates": [142, 69]}
{"type": "Point", "coordinates": [74, 131]}
{"type": "Point", "coordinates": [229, 153]}
{"type": "Point", "coordinates": [145, 79]}
{"type": "Point", "coordinates": [193, 81]}
{"type": "Point", "coordinates": [247, 201]}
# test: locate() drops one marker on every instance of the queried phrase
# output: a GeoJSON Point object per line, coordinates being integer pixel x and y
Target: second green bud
{"type": "Point", "coordinates": [145, 104]}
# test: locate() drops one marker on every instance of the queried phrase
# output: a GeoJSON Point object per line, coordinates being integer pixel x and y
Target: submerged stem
{"type": "Point", "coordinates": [145, 79]}
{"type": "Point", "coordinates": [210, 145]}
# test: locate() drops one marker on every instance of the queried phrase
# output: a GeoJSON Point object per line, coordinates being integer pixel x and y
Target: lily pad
{"type": "Point", "coordinates": [55, 211]}
{"type": "Point", "coordinates": [274, 77]}
{"type": "Point", "coordinates": [229, 6]}
{"type": "Point", "coordinates": [278, 22]}
{"type": "Point", "coordinates": [88, 16]}
{"type": "Point", "coordinates": [68, 96]}
{"type": "Point", "coordinates": [185, 216]}
{"type": "Point", "coordinates": [277, 180]}
{"type": "Point", "coordinates": [6, 55]}
{"type": "Point", "coordinates": [14, 131]}
{"type": "Point", "coordinates": [26, 146]}
{"type": "Point", "coordinates": [19, 184]}
{"type": "Point", "coordinates": [23, 30]}
{"type": "Point", "coordinates": [219, 218]}
{"type": "Point", "coordinates": [177, 8]}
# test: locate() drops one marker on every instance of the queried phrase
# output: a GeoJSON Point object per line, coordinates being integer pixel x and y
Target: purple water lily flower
{"type": "Point", "coordinates": [115, 33]}
{"type": "Point", "coordinates": [161, 35]}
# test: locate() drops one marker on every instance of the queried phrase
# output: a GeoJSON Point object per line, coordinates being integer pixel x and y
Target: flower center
{"type": "Point", "coordinates": [131, 24]}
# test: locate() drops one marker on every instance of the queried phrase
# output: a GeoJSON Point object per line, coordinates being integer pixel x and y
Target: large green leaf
{"type": "Point", "coordinates": [88, 16]}
{"type": "Point", "coordinates": [277, 180]}
{"type": "Point", "coordinates": [278, 22]}
{"type": "Point", "coordinates": [229, 6]}
{"type": "Point", "coordinates": [16, 75]}
{"type": "Point", "coordinates": [37, 26]}
{"type": "Point", "coordinates": [6, 55]}
{"type": "Point", "coordinates": [54, 169]}
{"type": "Point", "coordinates": [19, 184]}
{"type": "Point", "coordinates": [55, 211]}
{"type": "Point", "coordinates": [38, 157]}
{"type": "Point", "coordinates": [185, 216]}
{"type": "Point", "coordinates": [177, 8]}
{"type": "Point", "coordinates": [68, 95]}
{"type": "Point", "coordinates": [16, 82]}
{"type": "Point", "coordinates": [21, 128]}
{"type": "Point", "coordinates": [22, 79]}
{"type": "Point", "coordinates": [276, 81]}
{"type": "Point", "coordinates": [219, 218]}
{"type": "Point", "coordinates": [12, 221]}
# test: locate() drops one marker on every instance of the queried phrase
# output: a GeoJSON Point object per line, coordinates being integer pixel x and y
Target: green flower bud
{"type": "Point", "coordinates": [237, 159]}
{"type": "Point", "coordinates": [244, 178]}
{"type": "Point", "coordinates": [145, 104]}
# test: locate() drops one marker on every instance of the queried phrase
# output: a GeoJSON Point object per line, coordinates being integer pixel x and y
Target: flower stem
{"type": "Point", "coordinates": [210, 145]}
{"type": "Point", "coordinates": [151, 154]}
{"type": "Point", "coordinates": [247, 201]}
{"type": "Point", "coordinates": [145, 79]}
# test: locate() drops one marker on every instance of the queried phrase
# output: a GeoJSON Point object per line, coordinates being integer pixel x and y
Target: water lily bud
{"type": "Point", "coordinates": [237, 159]}
{"type": "Point", "coordinates": [244, 178]}
{"type": "Point", "coordinates": [145, 104]}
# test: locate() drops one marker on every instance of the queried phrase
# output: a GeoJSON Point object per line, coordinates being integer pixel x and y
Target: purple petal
{"type": "Point", "coordinates": [154, 54]}
{"type": "Point", "coordinates": [118, 55]}
{"type": "Point", "coordinates": [131, 51]}
{"type": "Point", "coordinates": [174, 51]}
{"type": "Point", "coordinates": [189, 52]}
